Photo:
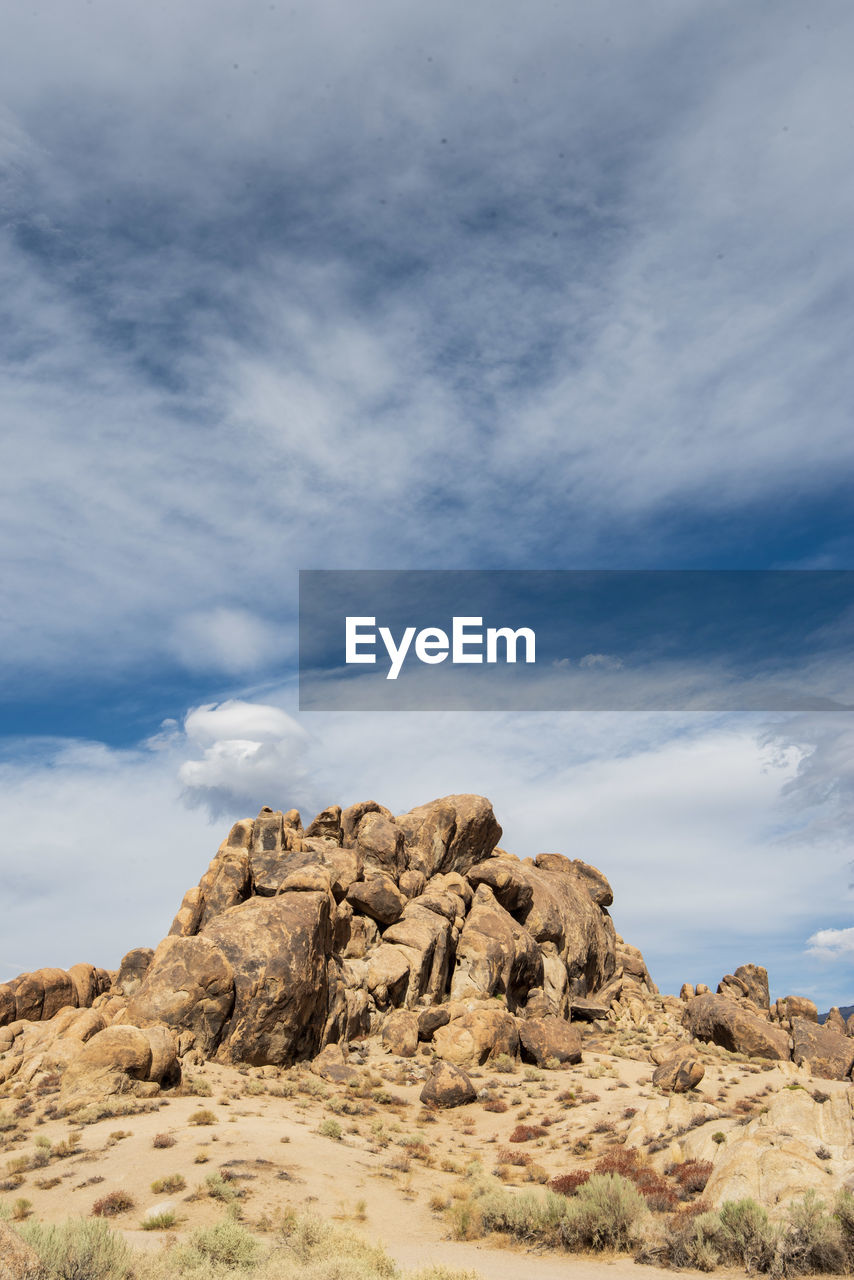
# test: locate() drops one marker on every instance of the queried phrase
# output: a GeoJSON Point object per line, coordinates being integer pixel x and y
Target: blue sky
{"type": "Point", "coordinates": [413, 286]}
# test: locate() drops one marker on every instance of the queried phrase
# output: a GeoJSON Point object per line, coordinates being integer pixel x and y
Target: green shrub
{"type": "Point", "coordinates": [81, 1249]}
{"type": "Point", "coordinates": [604, 1213]}
{"type": "Point", "coordinates": [226, 1243]}
{"type": "Point", "coordinates": [169, 1185]}
{"type": "Point", "coordinates": [161, 1221]}
{"type": "Point", "coordinates": [330, 1129]}
{"type": "Point", "coordinates": [746, 1235]}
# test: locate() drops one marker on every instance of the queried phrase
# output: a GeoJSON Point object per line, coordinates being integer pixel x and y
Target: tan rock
{"type": "Point", "coordinates": [132, 970]}
{"type": "Point", "coordinates": [451, 834]}
{"type": "Point", "coordinates": [545, 1039]}
{"type": "Point", "coordinates": [495, 954]}
{"type": "Point", "coordinates": [378, 897]}
{"type": "Point", "coordinates": [8, 1006]}
{"type": "Point", "coordinates": [424, 938]}
{"type": "Point", "coordinates": [835, 1022]}
{"type": "Point", "coordinates": [734, 1026]}
{"type": "Point", "coordinates": [476, 1036]}
{"type": "Point", "coordinates": [327, 825]}
{"type": "Point", "coordinates": [331, 1064]}
{"type": "Point", "coordinates": [686, 991]}
{"type": "Point", "coordinates": [829, 1053]}
{"type": "Point", "coordinates": [400, 1033]}
{"type": "Point", "coordinates": [387, 974]}
{"type": "Point", "coordinates": [278, 949]}
{"type": "Point", "coordinates": [188, 986]}
{"type": "Point", "coordinates": [448, 1086]}
{"type": "Point", "coordinates": [679, 1074]}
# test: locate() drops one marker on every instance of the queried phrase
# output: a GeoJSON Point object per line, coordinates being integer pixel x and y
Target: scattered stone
{"type": "Point", "coordinates": [448, 1086]}
{"type": "Point", "coordinates": [679, 1074]}
{"type": "Point", "coordinates": [546, 1039]}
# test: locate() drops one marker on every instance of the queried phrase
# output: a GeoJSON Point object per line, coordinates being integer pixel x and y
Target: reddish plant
{"type": "Point", "coordinates": [526, 1132]}
{"type": "Point", "coordinates": [566, 1184]}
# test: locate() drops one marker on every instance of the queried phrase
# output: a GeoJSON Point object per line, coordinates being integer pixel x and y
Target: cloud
{"type": "Point", "coordinates": [321, 291]}
{"type": "Point", "coordinates": [832, 944]}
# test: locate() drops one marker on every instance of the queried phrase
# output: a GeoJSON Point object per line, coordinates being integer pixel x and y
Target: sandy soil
{"type": "Point", "coordinates": [390, 1169]}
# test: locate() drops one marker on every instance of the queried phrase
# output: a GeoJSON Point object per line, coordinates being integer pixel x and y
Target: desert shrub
{"type": "Point", "coordinates": [566, 1184]}
{"type": "Point", "coordinates": [161, 1221]}
{"type": "Point", "coordinates": [605, 1213]}
{"type": "Point", "coordinates": [204, 1116]}
{"type": "Point", "coordinates": [196, 1087]}
{"type": "Point", "coordinates": [226, 1243]}
{"type": "Point", "coordinates": [220, 1188]}
{"type": "Point", "coordinates": [465, 1220]}
{"type": "Point", "coordinates": [330, 1128]}
{"type": "Point", "coordinates": [171, 1183]}
{"type": "Point", "coordinates": [746, 1235]}
{"type": "Point", "coordinates": [518, 1158]}
{"type": "Point", "coordinates": [115, 1202]}
{"type": "Point", "coordinates": [21, 1209]}
{"type": "Point", "coordinates": [495, 1104]}
{"type": "Point", "coordinates": [692, 1175]}
{"type": "Point", "coordinates": [163, 1140]}
{"type": "Point", "coordinates": [686, 1241]}
{"type": "Point", "coordinates": [78, 1249]}
{"type": "Point", "coordinates": [526, 1215]}
{"type": "Point", "coordinates": [526, 1132]}
{"type": "Point", "coordinates": [812, 1240]}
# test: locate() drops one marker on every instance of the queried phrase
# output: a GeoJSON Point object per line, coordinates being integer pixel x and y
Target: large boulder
{"type": "Point", "coordinates": [400, 1033]}
{"type": "Point", "coordinates": [749, 981]}
{"type": "Point", "coordinates": [475, 1036]}
{"type": "Point", "coordinates": [733, 1026]}
{"type": "Point", "coordinates": [448, 1086]}
{"type": "Point", "coordinates": [546, 1040]}
{"type": "Point", "coordinates": [423, 938]}
{"type": "Point", "coordinates": [679, 1074]}
{"type": "Point", "coordinates": [378, 897]}
{"type": "Point", "coordinates": [132, 970]}
{"type": "Point", "coordinates": [278, 950]}
{"type": "Point", "coordinates": [495, 954]}
{"type": "Point", "coordinates": [188, 986]}
{"type": "Point", "coordinates": [451, 834]}
{"type": "Point", "coordinates": [829, 1054]}
{"type": "Point", "coordinates": [121, 1059]}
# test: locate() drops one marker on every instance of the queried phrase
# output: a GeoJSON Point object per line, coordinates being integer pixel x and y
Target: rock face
{"type": "Point", "coordinates": [828, 1053]}
{"type": "Point", "coordinates": [679, 1074]}
{"type": "Point", "coordinates": [734, 1027]}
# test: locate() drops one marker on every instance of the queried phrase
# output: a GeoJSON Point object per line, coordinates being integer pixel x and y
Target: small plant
{"type": "Point", "coordinates": [21, 1209]}
{"type": "Point", "coordinates": [719, 1137]}
{"type": "Point", "coordinates": [330, 1128]}
{"type": "Point", "coordinates": [527, 1132]}
{"type": "Point", "coordinates": [163, 1140]}
{"type": "Point", "coordinates": [220, 1188]}
{"type": "Point", "coordinates": [162, 1221]}
{"type": "Point", "coordinates": [202, 1157]}
{"type": "Point", "coordinates": [203, 1116]}
{"type": "Point", "coordinates": [503, 1063]}
{"type": "Point", "coordinates": [114, 1203]}
{"type": "Point", "coordinates": [226, 1244]}
{"type": "Point", "coordinates": [566, 1184]}
{"type": "Point", "coordinates": [497, 1105]}
{"type": "Point", "coordinates": [169, 1185]}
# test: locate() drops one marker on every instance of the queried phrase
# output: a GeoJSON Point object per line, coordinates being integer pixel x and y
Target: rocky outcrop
{"type": "Point", "coordinates": [189, 986]}
{"type": "Point", "coordinates": [548, 1040]}
{"type": "Point", "coordinates": [121, 1059]}
{"type": "Point", "coordinates": [733, 1026]}
{"type": "Point", "coordinates": [828, 1054]}
{"type": "Point", "coordinates": [749, 981]}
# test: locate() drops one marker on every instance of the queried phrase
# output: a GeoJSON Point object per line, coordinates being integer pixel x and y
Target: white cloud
{"type": "Point", "coordinates": [832, 944]}
{"type": "Point", "coordinates": [233, 641]}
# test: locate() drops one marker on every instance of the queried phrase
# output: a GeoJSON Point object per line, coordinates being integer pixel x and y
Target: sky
{"type": "Point", "coordinates": [406, 286]}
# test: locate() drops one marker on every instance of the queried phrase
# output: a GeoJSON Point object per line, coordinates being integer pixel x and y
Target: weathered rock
{"type": "Point", "coordinates": [378, 898]}
{"type": "Point", "coordinates": [343, 866]}
{"type": "Point", "coordinates": [686, 991]}
{"type": "Point", "coordinates": [546, 1039]}
{"type": "Point", "coordinates": [430, 1020]}
{"type": "Point", "coordinates": [362, 935]}
{"type": "Point", "coordinates": [120, 1059]}
{"type": "Point", "coordinates": [188, 986]}
{"type": "Point", "coordinates": [387, 974]}
{"type": "Point", "coordinates": [495, 954]}
{"type": "Point", "coordinates": [18, 1261]}
{"type": "Point", "coordinates": [400, 1033]}
{"type": "Point", "coordinates": [424, 938]}
{"type": "Point", "coordinates": [735, 1027]}
{"type": "Point", "coordinates": [331, 1064]}
{"type": "Point", "coordinates": [448, 1086]}
{"type": "Point", "coordinates": [351, 818]}
{"type": "Point", "coordinates": [835, 1022]}
{"type": "Point", "coordinates": [412, 883]}
{"type": "Point", "coordinates": [476, 1036]}
{"type": "Point", "coordinates": [589, 1009]}
{"type": "Point", "coordinates": [132, 970]}
{"type": "Point", "coordinates": [451, 834]}
{"type": "Point", "coordinates": [795, 1007]}
{"type": "Point", "coordinates": [829, 1054]}
{"type": "Point", "coordinates": [327, 825]}
{"type": "Point", "coordinates": [564, 913]}
{"type": "Point", "coordinates": [278, 950]}
{"type": "Point", "coordinates": [88, 983]}
{"type": "Point", "coordinates": [8, 1006]}
{"type": "Point", "coordinates": [749, 981]}
{"type": "Point", "coordinates": [679, 1074]}
{"type": "Point", "coordinates": [503, 876]}
{"type": "Point", "coordinates": [774, 1158]}
{"type": "Point", "coordinates": [380, 843]}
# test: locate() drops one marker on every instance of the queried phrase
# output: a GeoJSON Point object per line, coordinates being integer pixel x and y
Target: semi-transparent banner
{"type": "Point", "coordinates": [559, 640]}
